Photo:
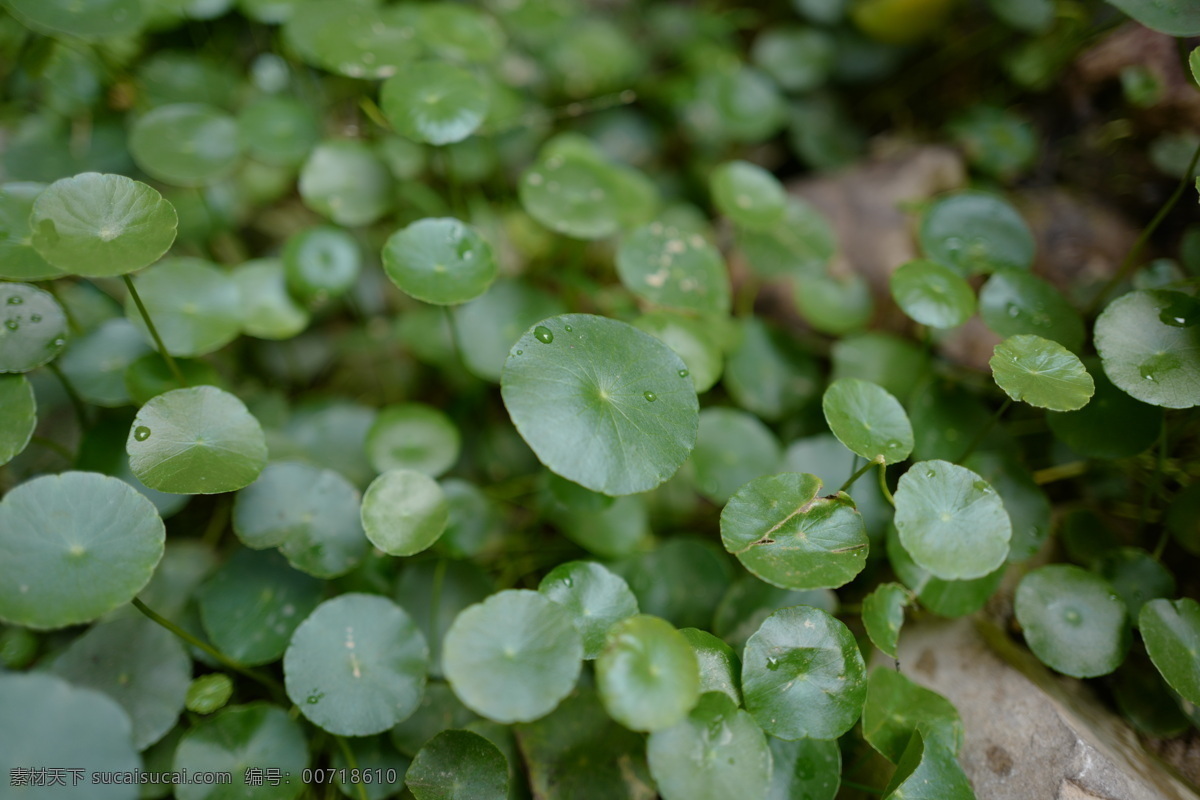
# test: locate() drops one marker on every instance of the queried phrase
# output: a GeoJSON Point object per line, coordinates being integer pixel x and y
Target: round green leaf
{"type": "Point", "coordinates": [278, 130]}
{"type": "Point", "coordinates": [573, 194]}
{"type": "Point", "coordinates": [356, 666]}
{"type": "Point", "coordinates": [321, 262]}
{"type": "Point", "coordinates": [186, 144]}
{"type": "Point", "coordinates": [595, 597]}
{"type": "Point", "coordinates": [18, 415]}
{"type": "Point", "coordinates": [1013, 302]}
{"type": "Point", "coordinates": [435, 102]}
{"type": "Point", "coordinates": [18, 260]}
{"type": "Point", "coordinates": [717, 752]}
{"type": "Point", "coordinates": [137, 663]}
{"type": "Point", "coordinates": [344, 180]}
{"type": "Point", "coordinates": [748, 195]}
{"type": "Point", "coordinates": [601, 403]}
{"type": "Point", "coordinates": [976, 232]}
{"type": "Point", "coordinates": [252, 604]}
{"type": "Point", "coordinates": [669, 267]}
{"type": "Point", "coordinates": [97, 362]}
{"type": "Point", "coordinates": [804, 769]}
{"type": "Point", "coordinates": [239, 737]}
{"type": "Point", "coordinates": [732, 449]}
{"type": "Point", "coordinates": [513, 657]}
{"type": "Point", "coordinates": [34, 327]}
{"type": "Point", "coordinates": [458, 765]}
{"type": "Point", "coordinates": [932, 294]}
{"type": "Point", "coordinates": [928, 771]}
{"type": "Point", "coordinates": [440, 261]}
{"type": "Point", "coordinates": [91, 20]}
{"type": "Point", "coordinates": [1041, 373]}
{"type": "Point", "coordinates": [883, 615]}
{"type": "Point", "coordinates": [896, 708]}
{"type": "Point", "coordinates": [1171, 631]}
{"type": "Point", "coordinates": [195, 305]}
{"type": "Point", "coordinates": [951, 521]}
{"type": "Point", "coordinates": [1073, 620]}
{"type": "Point", "coordinates": [648, 675]}
{"type": "Point", "coordinates": [63, 725]}
{"type": "Point", "coordinates": [488, 325]}
{"type": "Point", "coordinates": [267, 311]}
{"type": "Point", "coordinates": [209, 693]}
{"type": "Point", "coordinates": [196, 441]}
{"type": "Point", "coordinates": [413, 436]}
{"type": "Point", "coordinates": [692, 338]}
{"type": "Point", "coordinates": [310, 513]}
{"type": "Point", "coordinates": [720, 669]}
{"type": "Point", "coordinates": [1112, 425]}
{"type": "Point", "coordinates": [785, 534]}
{"type": "Point", "coordinates": [404, 512]}
{"type": "Point", "coordinates": [836, 305]}
{"type": "Point", "coordinates": [868, 420]}
{"type": "Point", "coordinates": [1149, 342]}
{"type": "Point", "coordinates": [75, 546]}
{"type": "Point", "coordinates": [101, 225]}
{"type": "Point", "coordinates": [947, 598]}
{"type": "Point", "coordinates": [803, 675]}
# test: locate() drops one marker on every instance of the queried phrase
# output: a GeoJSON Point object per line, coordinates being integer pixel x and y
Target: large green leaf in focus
{"type": "Point", "coordinates": [196, 441]}
{"type": "Point", "coordinates": [1149, 342]}
{"type": "Point", "coordinates": [101, 225]}
{"type": "Point", "coordinates": [601, 403]}
{"type": "Point", "coordinates": [951, 521]}
{"type": "Point", "coordinates": [62, 725]}
{"type": "Point", "coordinates": [717, 752]}
{"type": "Point", "coordinates": [357, 665]}
{"type": "Point", "coordinates": [435, 102]}
{"type": "Point", "coordinates": [803, 675]}
{"type": "Point", "coordinates": [34, 327]}
{"type": "Point", "coordinates": [1171, 631]}
{"type": "Point", "coordinates": [458, 765]}
{"type": "Point", "coordinates": [896, 708]}
{"type": "Point", "coordinates": [595, 596]}
{"type": "Point", "coordinates": [1041, 373]}
{"type": "Point", "coordinates": [74, 546]}
{"type": "Point", "coordinates": [785, 534]}
{"type": "Point", "coordinates": [441, 261]}
{"type": "Point", "coordinates": [141, 665]}
{"type": "Point", "coordinates": [239, 737]}
{"type": "Point", "coordinates": [868, 420]}
{"type": "Point", "coordinates": [513, 657]}
{"type": "Point", "coordinates": [648, 674]}
{"type": "Point", "coordinates": [195, 305]}
{"type": "Point", "coordinates": [928, 771]}
{"type": "Point", "coordinates": [1073, 620]}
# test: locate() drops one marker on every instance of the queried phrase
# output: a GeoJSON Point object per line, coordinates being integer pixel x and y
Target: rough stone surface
{"type": "Point", "coordinates": [1030, 734]}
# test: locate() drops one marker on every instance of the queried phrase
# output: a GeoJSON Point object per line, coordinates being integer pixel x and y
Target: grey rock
{"type": "Point", "coordinates": [1030, 734]}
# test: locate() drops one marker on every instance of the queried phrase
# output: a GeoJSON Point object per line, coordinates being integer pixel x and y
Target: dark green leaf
{"type": "Point", "coordinates": [321, 262]}
{"type": "Point", "coordinates": [976, 232]}
{"type": "Point", "coordinates": [413, 436]}
{"type": "Point", "coordinates": [572, 194]}
{"type": "Point", "coordinates": [883, 615]}
{"type": "Point", "coordinates": [1169, 18]}
{"type": "Point", "coordinates": [344, 180]}
{"type": "Point", "coordinates": [488, 325]}
{"type": "Point", "coordinates": [1112, 425]}
{"type": "Point", "coordinates": [1171, 630]}
{"type": "Point", "coordinates": [91, 20]}
{"type": "Point", "coordinates": [18, 260]}
{"type": "Point", "coordinates": [767, 374]}
{"type": "Point", "coordinates": [1073, 620]}
{"type": "Point", "coordinates": [720, 668]}
{"type": "Point", "coordinates": [749, 601]}
{"type": "Point", "coordinates": [238, 737]}
{"type": "Point", "coordinates": [458, 765]}
{"type": "Point", "coordinates": [267, 310]}
{"type": "Point", "coordinates": [278, 130]}
{"type": "Point", "coordinates": [805, 769]}
{"type": "Point", "coordinates": [732, 449]}
{"type": "Point", "coordinates": [928, 771]}
{"type": "Point", "coordinates": [1013, 302]}
{"type": "Point", "coordinates": [1136, 576]}
{"type": "Point", "coordinates": [942, 597]}
{"type": "Point", "coordinates": [897, 708]}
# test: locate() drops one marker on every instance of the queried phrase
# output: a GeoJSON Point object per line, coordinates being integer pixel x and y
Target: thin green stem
{"type": "Point", "coordinates": [265, 680]}
{"type": "Point", "coordinates": [76, 401]}
{"type": "Point", "coordinates": [1155, 481]}
{"type": "Point", "coordinates": [1131, 258]}
{"type": "Point", "coordinates": [458, 353]}
{"type": "Point", "coordinates": [883, 487]}
{"type": "Point", "coordinates": [984, 431]}
{"type": "Point", "coordinates": [860, 472]}
{"type": "Point", "coordinates": [158, 342]}
{"type": "Point", "coordinates": [1072, 469]}
{"type": "Point", "coordinates": [217, 523]}
{"type": "Point", "coordinates": [352, 763]}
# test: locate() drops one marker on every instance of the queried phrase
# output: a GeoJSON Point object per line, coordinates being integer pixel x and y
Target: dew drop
{"type": "Point", "coordinates": [520, 352]}
{"type": "Point", "coordinates": [772, 664]}
{"type": "Point", "coordinates": [1013, 311]}
{"type": "Point", "coordinates": [543, 334]}
{"type": "Point", "coordinates": [15, 300]}
{"type": "Point", "coordinates": [141, 433]}
{"type": "Point", "coordinates": [568, 328]}
{"type": "Point", "coordinates": [683, 373]}
{"type": "Point", "coordinates": [35, 317]}
{"type": "Point", "coordinates": [650, 396]}
{"type": "Point", "coordinates": [12, 324]}
{"type": "Point", "coordinates": [59, 342]}
{"type": "Point", "coordinates": [930, 473]}
{"type": "Point", "coordinates": [981, 486]}
{"type": "Point", "coordinates": [313, 699]}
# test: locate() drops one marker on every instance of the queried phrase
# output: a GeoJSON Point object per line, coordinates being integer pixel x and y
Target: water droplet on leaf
{"type": "Point", "coordinates": [543, 334]}
{"type": "Point", "coordinates": [683, 373]}
{"type": "Point", "coordinates": [12, 324]}
{"type": "Point", "coordinates": [651, 396]}
{"type": "Point", "coordinates": [15, 300]}
{"type": "Point", "coordinates": [141, 433]}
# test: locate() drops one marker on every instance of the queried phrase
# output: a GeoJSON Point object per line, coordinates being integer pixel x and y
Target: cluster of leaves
{"type": "Point", "coordinates": [430, 361]}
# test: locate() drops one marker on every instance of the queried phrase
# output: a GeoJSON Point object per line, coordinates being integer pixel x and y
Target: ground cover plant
{"type": "Point", "coordinates": [452, 399]}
